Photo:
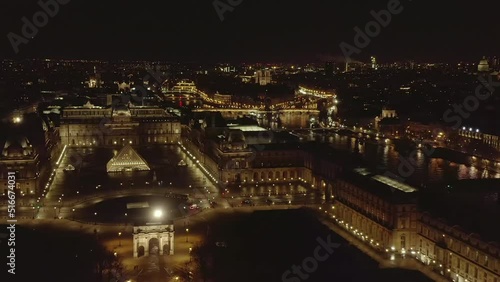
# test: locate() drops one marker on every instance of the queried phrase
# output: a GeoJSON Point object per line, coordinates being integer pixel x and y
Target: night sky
{"type": "Point", "coordinates": [256, 31]}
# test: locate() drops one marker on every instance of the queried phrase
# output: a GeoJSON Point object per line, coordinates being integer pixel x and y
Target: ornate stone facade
{"type": "Point", "coordinates": [153, 238]}
{"type": "Point", "coordinates": [18, 155]}
{"type": "Point", "coordinates": [118, 126]}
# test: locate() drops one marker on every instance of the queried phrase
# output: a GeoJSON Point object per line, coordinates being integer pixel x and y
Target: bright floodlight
{"type": "Point", "coordinates": [158, 213]}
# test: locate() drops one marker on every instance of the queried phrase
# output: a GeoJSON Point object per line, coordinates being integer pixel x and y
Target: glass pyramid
{"type": "Point", "coordinates": [127, 160]}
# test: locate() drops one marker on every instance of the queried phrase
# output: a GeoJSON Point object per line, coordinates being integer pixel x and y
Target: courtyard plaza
{"type": "Point", "coordinates": [89, 184]}
{"type": "Point", "coordinates": [90, 176]}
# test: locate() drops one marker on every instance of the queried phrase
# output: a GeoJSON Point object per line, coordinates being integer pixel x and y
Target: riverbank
{"type": "Point", "coordinates": [466, 159]}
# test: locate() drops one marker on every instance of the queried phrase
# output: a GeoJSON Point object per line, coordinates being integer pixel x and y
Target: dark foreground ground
{"type": "Point", "coordinates": [263, 245]}
{"type": "Point", "coordinates": [239, 247]}
{"type": "Point", "coordinates": [52, 255]}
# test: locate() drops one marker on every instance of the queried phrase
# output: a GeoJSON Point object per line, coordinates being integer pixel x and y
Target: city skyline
{"type": "Point", "coordinates": [250, 140]}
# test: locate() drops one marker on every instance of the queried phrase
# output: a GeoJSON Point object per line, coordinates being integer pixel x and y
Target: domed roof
{"type": "Point", "coordinates": [483, 66]}
{"type": "Point", "coordinates": [17, 146]}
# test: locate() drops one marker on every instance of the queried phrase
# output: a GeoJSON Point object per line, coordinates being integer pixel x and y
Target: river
{"type": "Point", "coordinates": [424, 169]}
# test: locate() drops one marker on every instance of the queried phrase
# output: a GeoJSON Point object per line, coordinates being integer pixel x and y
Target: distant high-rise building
{"type": "Point", "coordinates": [263, 77]}
{"type": "Point", "coordinates": [374, 63]}
{"type": "Point", "coordinates": [227, 69]}
{"type": "Point", "coordinates": [329, 68]}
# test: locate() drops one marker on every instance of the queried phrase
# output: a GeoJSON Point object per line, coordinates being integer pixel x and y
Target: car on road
{"type": "Point", "coordinates": [269, 202]}
{"type": "Point", "coordinates": [247, 202]}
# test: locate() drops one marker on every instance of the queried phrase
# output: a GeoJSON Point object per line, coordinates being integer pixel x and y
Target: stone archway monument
{"type": "Point", "coordinates": [160, 233]}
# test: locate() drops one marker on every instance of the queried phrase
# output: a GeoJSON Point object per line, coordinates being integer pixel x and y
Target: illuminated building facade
{"type": "Point", "coordinates": [239, 154]}
{"type": "Point", "coordinates": [384, 214]}
{"type": "Point", "coordinates": [457, 254]}
{"type": "Point", "coordinates": [388, 122]}
{"type": "Point", "coordinates": [263, 77]}
{"type": "Point", "coordinates": [382, 211]}
{"type": "Point", "coordinates": [225, 99]}
{"type": "Point", "coordinates": [184, 86]}
{"type": "Point", "coordinates": [19, 156]}
{"type": "Point", "coordinates": [29, 148]}
{"type": "Point", "coordinates": [251, 164]}
{"type": "Point", "coordinates": [154, 239]}
{"type": "Point", "coordinates": [118, 125]}
{"type": "Point", "coordinates": [492, 140]}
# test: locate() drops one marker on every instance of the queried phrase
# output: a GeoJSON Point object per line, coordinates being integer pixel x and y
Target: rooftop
{"type": "Point", "coordinates": [472, 204]}
{"type": "Point", "coordinates": [394, 183]}
{"type": "Point", "coordinates": [247, 128]}
{"type": "Point", "coordinates": [383, 186]}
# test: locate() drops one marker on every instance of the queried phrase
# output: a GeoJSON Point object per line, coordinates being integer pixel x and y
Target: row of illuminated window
{"type": "Point", "coordinates": [459, 247]}
{"type": "Point", "coordinates": [460, 265]}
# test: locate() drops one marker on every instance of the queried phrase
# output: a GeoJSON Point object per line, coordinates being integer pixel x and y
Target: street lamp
{"type": "Point", "coordinates": [119, 239]}
{"type": "Point", "coordinates": [158, 213]}
{"type": "Point", "coordinates": [187, 232]}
